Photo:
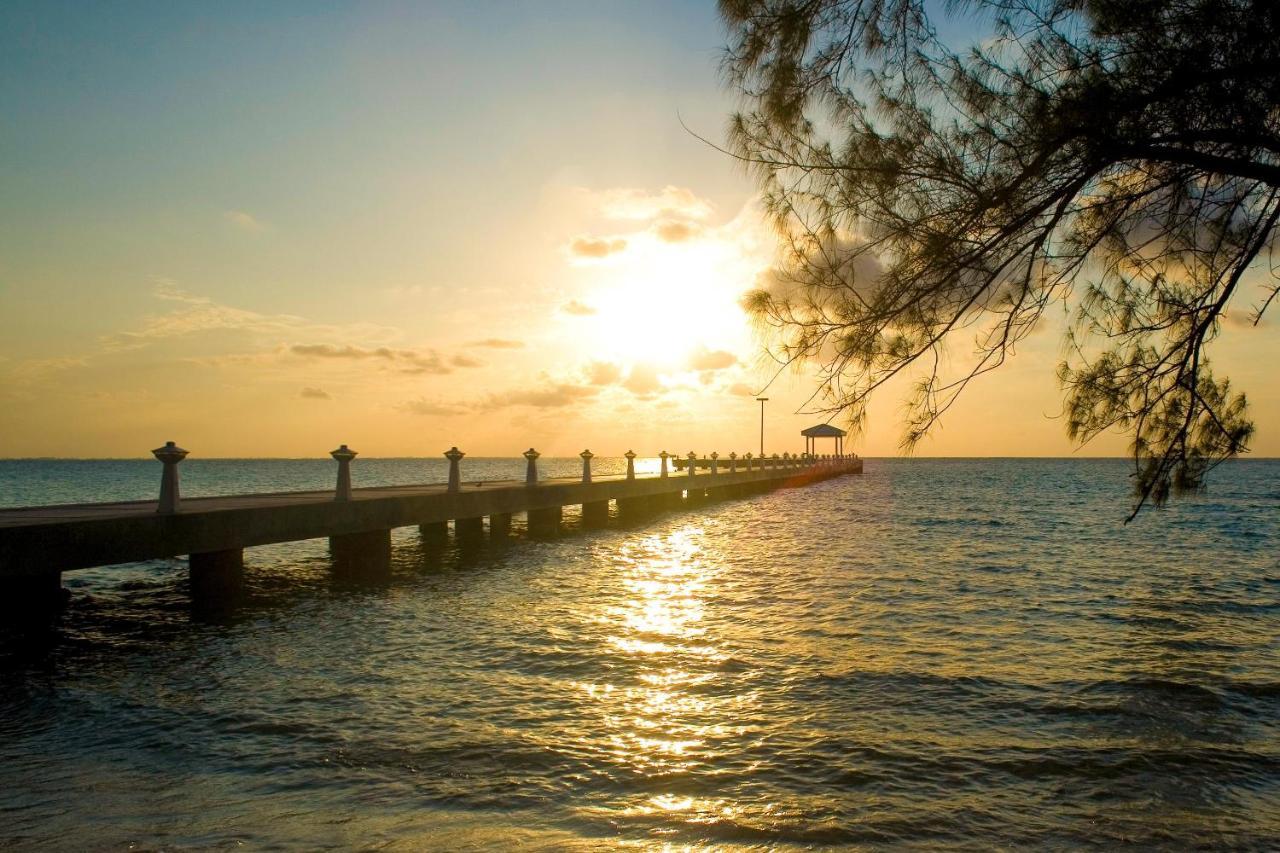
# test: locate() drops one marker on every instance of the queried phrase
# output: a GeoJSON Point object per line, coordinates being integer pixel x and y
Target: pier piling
{"type": "Point", "coordinates": [216, 576]}
{"type": "Point", "coordinates": [499, 526]}
{"type": "Point", "coordinates": [544, 523]}
{"type": "Point", "coordinates": [595, 514]}
{"type": "Point", "coordinates": [469, 531]}
{"type": "Point", "coordinates": [364, 554]}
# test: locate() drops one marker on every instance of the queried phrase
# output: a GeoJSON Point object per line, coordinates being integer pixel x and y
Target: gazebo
{"type": "Point", "coordinates": [813, 433]}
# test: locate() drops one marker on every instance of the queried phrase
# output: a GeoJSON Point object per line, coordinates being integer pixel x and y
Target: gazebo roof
{"type": "Point", "coordinates": [823, 431]}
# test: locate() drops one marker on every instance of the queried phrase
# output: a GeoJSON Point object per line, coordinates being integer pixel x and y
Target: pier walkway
{"type": "Point", "coordinates": [37, 544]}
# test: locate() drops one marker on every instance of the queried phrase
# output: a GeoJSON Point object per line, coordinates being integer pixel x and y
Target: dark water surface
{"type": "Point", "coordinates": [940, 654]}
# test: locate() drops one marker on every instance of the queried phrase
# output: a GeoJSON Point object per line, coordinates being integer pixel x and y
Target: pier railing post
{"type": "Point", "coordinates": [454, 455]}
{"type": "Point", "coordinates": [169, 455]}
{"type": "Point", "coordinates": [693, 463]}
{"type": "Point", "coordinates": [714, 463]}
{"type": "Point", "coordinates": [663, 456]}
{"type": "Point", "coordinates": [587, 456]}
{"type": "Point", "coordinates": [631, 464]}
{"type": "Point", "coordinates": [531, 467]}
{"type": "Point", "coordinates": [748, 458]}
{"type": "Point", "coordinates": [733, 462]}
{"type": "Point", "coordinates": [344, 455]}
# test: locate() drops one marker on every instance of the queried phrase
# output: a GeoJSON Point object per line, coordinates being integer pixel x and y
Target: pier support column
{"type": "Point", "coordinates": [595, 514]}
{"type": "Point", "coordinates": [499, 526]}
{"type": "Point", "coordinates": [545, 523]}
{"type": "Point", "coordinates": [434, 533]}
{"type": "Point", "coordinates": [216, 576]}
{"type": "Point", "coordinates": [628, 509]}
{"type": "Point", "coordinates": [366, 554]}
{"type": "Point", "coordinates": [469, 531]}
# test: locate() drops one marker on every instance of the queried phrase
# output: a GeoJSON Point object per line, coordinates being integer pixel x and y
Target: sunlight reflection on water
{"type": "Point", "coordinates": [941, 654]}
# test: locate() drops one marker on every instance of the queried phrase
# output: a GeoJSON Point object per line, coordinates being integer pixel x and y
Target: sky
{"type": "Point", "coordinates": [268, 229]}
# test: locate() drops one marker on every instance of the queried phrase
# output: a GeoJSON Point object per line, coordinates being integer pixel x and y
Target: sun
{"type": "Point", "coordinates": [660, 302]}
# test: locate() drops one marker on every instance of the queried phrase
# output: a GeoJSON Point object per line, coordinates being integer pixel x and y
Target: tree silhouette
{"type": "Point", "coordinates": [1118, 157]}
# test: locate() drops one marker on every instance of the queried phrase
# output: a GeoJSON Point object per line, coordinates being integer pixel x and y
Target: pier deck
{"type": "Point", "coordinates": [38, 543]}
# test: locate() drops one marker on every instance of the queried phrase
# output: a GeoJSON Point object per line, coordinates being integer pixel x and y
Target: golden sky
{"type": "Point", "coordinates": [406, 228]}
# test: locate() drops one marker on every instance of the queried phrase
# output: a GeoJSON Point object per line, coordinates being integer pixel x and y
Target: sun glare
{"type": "Point", "coordinates": [661, 302]}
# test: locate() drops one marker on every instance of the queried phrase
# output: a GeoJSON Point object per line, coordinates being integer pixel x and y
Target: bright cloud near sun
{"type": "Point", "coordinates": [671, 285]}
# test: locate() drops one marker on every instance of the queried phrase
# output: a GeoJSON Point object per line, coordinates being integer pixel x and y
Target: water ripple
{"type": "Point", "coordinates": [941, 654]}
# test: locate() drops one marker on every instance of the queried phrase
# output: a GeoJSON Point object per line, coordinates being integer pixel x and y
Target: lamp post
{"type": "Point", "coordinates": [762, 402]}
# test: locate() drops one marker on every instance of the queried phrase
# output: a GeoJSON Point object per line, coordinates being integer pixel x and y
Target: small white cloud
{"type": "Point", "coordinates": [677, 202]}
{"type": "Point", "coordinates": [243, 220]}
{"type": "Point", "coordinates": [596, 247]}
{"type": "Point", "coordinates": [497, 343]}
{"type": "Point", "coordinates": [404, 360]}
{"type": "Point", "coordinates": [553, 396]}
{"type": "Point", "coordinates": [643, 381]}
{"type": "Point", "coordinates": [428, 408]}
{"type": "Point", "coordinates": [577, 309]}
{"type": "Point", "coordinates": [603, 373]}
{"type": "Point", "coordinates": [705, 359]}
{"type": "Point", "coordinates": [676, 230]}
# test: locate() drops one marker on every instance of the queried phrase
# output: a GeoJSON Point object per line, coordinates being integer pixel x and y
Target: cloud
{"type": "Point", "coordinates": [242, 220]}
{"type": "Point", "coordinates": [428, 408]}
{"type": "Point", "coordinates": [39, 369]}
{"type": "Point", "coordinates": [497, 343]}
{"type": "Point", "coordinates": [672, 202]}
{"type": "Point", "coordinates": [405, 360]}
{"type": "Point", "coordinates": [741, 389]}
{"type": "Point", "coordinates": [596, 247]}
{"type": "Point", "coordinates": [675, 230]}
{"type": "Point", "coordinates": [554, 396]}
{"type": "Point", "coordinates": [603, 373]}
{"type": "Point", "coordinates": [463, 360]}
{"type": "Point", "coordinates": [705, 359]}
{"type": "Point", "coordinates": [199, 314]}
{"type": "Point", "coordinates": [578, 309]}
{"type": "Point", "coordinates": [315, 394]}
{"type": "Point", "coordinates": [643, 380]}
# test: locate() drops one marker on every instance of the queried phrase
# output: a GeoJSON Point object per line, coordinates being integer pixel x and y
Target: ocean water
{"type": "Point", "coordinates": [939, 654]}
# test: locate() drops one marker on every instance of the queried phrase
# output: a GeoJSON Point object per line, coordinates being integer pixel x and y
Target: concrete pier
{"type": "Point", "coordinates": [595, 514]}
{"type": "Point", "coordinates": [469, 531]}
{"type": "Point", "coordinates": [216, 575]}
{"type": "Point", "coordinates": [363, 554]}
{"type": "Point", "coordinates": [434, 533]}
{"type": "Point", "coordinates": [37, 544]}
{"type": "Point", "coordinates": [544, 522]}
{"type": "Point", "coordinates": [499, 525]}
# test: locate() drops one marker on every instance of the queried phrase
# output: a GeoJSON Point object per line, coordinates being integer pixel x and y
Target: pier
{"type": "Point", "coordinates": [38, 544]}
